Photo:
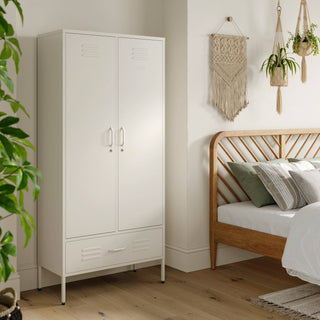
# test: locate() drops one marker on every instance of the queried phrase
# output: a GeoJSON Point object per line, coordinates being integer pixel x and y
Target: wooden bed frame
{"type": "Point", "coordinates": [250, 146]}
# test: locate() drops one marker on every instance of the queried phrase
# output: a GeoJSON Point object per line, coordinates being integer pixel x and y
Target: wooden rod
{"type": "Point", "coordinates": [214, 34]}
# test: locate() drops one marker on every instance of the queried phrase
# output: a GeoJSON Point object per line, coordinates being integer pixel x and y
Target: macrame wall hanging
{"type": "Point", "coordinates": [304, 47]}
{"type": "Point", "coordinates": [278, 79]}
{"type": "Point", "coordinates": [229, 72]}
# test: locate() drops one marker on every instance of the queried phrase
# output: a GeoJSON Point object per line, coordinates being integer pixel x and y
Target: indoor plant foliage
{"type": "Point", "coordinates": [16, 172]}
{"type": "Point", "coordinates": [279, 64]}
{"type": "Point", "coordinates": [305, 44]}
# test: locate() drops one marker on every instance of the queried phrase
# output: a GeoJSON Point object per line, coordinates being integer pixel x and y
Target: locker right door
{"type": "Point", "coordinates": [141, 116]}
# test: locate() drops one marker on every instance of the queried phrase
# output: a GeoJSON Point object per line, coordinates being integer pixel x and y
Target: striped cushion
{"type": "Point", "coordinates": [280, 185]}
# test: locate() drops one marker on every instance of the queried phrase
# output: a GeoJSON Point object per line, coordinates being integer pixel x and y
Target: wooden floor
{"type": "Point", "coordinates": [222, 294]}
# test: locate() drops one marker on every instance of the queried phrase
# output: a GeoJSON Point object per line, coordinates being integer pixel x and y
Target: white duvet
{"type": "Point", "coordinates": [301, 256]}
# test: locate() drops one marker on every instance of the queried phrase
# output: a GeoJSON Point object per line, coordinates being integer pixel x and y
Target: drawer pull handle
{"type": "Point", "coordinates": [117, 250]}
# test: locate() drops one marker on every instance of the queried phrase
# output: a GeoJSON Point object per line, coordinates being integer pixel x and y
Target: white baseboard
{"type": "Point", "coordinates": [29, 275]}
{"type": "Point", "coordinates": [197, 259]}
{"type": "Point", "coordinates": [13, 282]}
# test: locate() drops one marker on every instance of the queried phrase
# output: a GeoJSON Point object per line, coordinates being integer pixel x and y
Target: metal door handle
{"type": "Point", "coordinates": [122, 137]}
{"type": "Point", "coordinates": [117, 250]}
{"type": "Point", "coordinates": [110, 137]}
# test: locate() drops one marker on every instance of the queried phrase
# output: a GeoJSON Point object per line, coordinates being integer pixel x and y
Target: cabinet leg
{"type": "Point", "coordinates": [39, 278]}
{"type": "Point", "coordinates": [163, 271]}
{"type": "Point", "coordinates": [63, 291]}
{"type": "Point", "coordinates": [134, 268]}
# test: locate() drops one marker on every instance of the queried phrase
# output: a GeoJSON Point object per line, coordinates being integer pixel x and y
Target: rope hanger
{"type": "Point", "coordinates": [229, 19]}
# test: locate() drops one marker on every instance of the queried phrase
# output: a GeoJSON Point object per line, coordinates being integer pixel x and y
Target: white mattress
{"type": "Point", "coordinates": [269, 219]}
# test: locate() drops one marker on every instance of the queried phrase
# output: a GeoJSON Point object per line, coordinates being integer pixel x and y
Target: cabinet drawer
{"type": "Point", "coordinates": [100, 252]}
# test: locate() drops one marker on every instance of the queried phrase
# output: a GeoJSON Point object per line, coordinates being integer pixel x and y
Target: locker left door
{"type": "Point", "coordinates": [90, 124]}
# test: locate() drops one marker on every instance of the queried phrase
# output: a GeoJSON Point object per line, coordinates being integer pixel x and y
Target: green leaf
{"type": "Point", "coordinates": [24, 181]}
{"type": "Point", "coordinates": [10, 249]}
{"type": "Point", "coordinates": [18, 6]}
{"type": "Point", "coordinates": [25, 142]}
{"type": "Point", "coordinates": [5, 266]}
{"type": "Point", "coordinates": [7, 238]}
{"type": "Point", "coordinates": [15, 42]}
{"type": "Point", "coordinates": [14, 132]}
{"type": "Point", "coordinates": [11, 164]}
{"type": "Point", "coordinates": [24, 222]}
{"type": "Point", "coordinates": [36, 187]}
{"type": "Point", "coordinates": [8, 121]}
{"type": "Point", "coordinates": [15, 106]}
{"type": "Point", "coordinates": [22, 152]}
{"type": "Point", "coordinates": [3, 66]}
{"type": "Point", "coordinates": [8, 204]}
{"type": "Point", "coordinates": [7, 146]}
{"type": "Point", "coordinates": [19, 175]}
{"type": "Point", "coordinates": [7, 80]}
{"type": "Point", "coordinates": [16, 60]}
{"type": "Point", "coordinates": [3, 24]}
{"type": "Point", "coordinates": [6, 51]}
{"type": "Point", "coordinates": [7, 189]}
{"type": "Point", "coordinates": [21, 199]}
{"type": "Point", "coordinates": [34, 170]}
{"type": "Point", "coordinates": [10, 31]}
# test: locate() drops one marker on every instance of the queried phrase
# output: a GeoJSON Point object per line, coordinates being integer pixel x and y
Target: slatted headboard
{"type": "Point", "coordinates": [253, 146]}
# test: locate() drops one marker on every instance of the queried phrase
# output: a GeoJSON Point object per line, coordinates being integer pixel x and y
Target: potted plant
{"type": "Point", "coordinates": [277, 66]}
{"type": "Point", "coordinates": [305, 44]}
{"type": "Point", "coordinates": [16, 172]}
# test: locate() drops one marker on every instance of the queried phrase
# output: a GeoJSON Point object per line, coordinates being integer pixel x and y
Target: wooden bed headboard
{"type": "Point", "coordinates": [250, 146]}
{"type": "Point", "coordinates": [253, 146]}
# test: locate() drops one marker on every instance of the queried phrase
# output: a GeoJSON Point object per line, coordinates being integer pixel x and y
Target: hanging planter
{"type": "Point", "coordinates": [278, 64]}
{"type": "Point", "coordinates": [306, 42]}
{"type": "Point", "coordinates": [277, 79]}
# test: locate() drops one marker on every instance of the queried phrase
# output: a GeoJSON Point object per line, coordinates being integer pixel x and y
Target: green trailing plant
{"type": "Point", "coordinates": [279, 60]}
{"type": "Point", "coordinates": [310, 38]}
{"type": "Point", "coordinates": [16, 172]}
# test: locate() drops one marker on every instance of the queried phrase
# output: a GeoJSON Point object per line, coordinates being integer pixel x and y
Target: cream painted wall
{"type": "Point", "coordinates": [301, 101]}
{"type": "Point", "coordinates": [175, 31]}
{"type": "Point", "coordinates": [144, 17]}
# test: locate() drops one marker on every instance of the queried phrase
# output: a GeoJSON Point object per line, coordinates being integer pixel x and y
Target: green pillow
{"type": "Point", "coordinates": [307, 159]}
{"type": "Point", "coordinates": [250, 182]}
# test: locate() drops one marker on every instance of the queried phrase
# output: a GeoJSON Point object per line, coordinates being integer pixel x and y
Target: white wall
{"type": "Point", "coordinates": [301, 105]}
{"type": "Point", "coordinates": [144, 17]}
{"type": "Point", "coordinates": [191, 120]}
{"type": "Point", "coordinates": [175, 31]}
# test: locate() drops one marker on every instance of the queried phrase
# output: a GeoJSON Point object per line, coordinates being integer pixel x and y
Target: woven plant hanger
{"type": "Point", "coordinates": [276, 79]}
{"type": "Point", "coordinates": [305, 48]}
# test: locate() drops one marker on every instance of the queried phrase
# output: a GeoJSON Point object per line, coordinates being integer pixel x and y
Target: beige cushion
{"type": "Point", "coordinates": [308, 182]}
{"type": "Point", "coordinates": [277, 180]}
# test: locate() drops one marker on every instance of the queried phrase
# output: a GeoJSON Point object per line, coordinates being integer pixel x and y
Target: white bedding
{"type": "Point", "coordinates": [269, 219]}
{"type": "Point", "coordinates": [301, 256]}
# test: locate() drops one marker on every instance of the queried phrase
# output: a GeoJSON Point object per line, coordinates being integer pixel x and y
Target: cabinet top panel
{"type": "Point", "coordinates": [117, 35]}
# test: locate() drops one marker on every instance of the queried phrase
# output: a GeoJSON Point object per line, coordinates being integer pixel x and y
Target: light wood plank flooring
{"type": "Point", "coordinates": [222, 294]}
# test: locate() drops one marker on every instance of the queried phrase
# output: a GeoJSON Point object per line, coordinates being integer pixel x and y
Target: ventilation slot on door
{"type": "Point", "coordinates": [89, 50]}
{"type": "Point", "coordinates": [91, 253]}
{"type": "Point", "coordinates": [142, 244]}
{"type": "Point", "coordinates": [140, 54]}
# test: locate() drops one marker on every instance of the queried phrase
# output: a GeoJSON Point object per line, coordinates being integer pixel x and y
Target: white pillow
{"type": "Point", "coordinates": [308, 182]}
{"type": "Point", "coordinates": [279, 183]}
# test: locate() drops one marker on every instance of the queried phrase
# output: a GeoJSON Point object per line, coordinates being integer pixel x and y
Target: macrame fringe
{"type": "Point", "coordinates": [271, 307]}
{"type": "Point", "coordinates": [304, 70]}
{"type": "Point", "coordinates": [230, 99]}
{"type": "Point", "coordinates": [279, 101]}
